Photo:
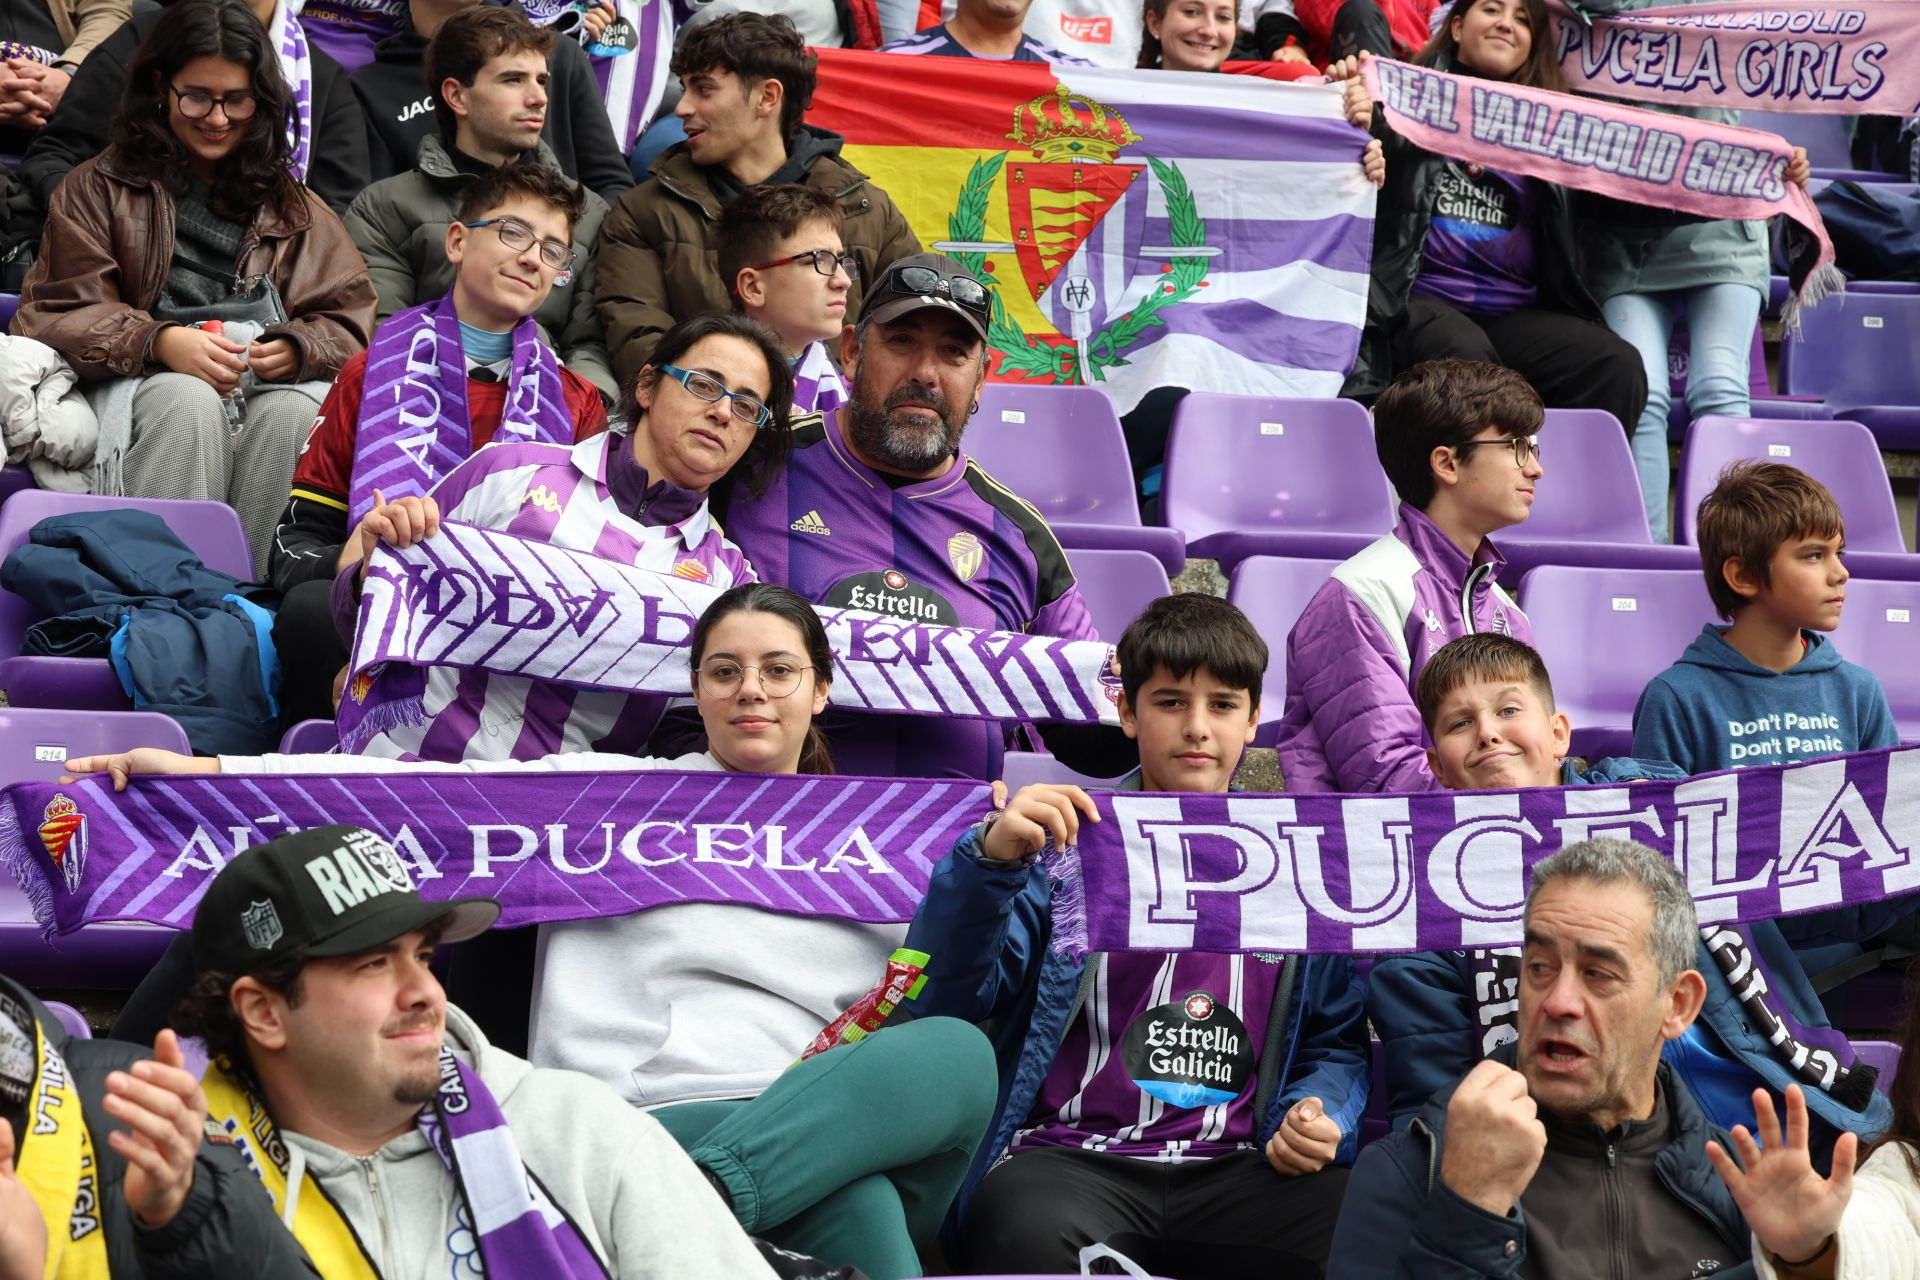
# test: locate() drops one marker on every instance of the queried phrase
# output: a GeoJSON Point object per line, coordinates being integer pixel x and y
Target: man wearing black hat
{"type": "Point", "coordinates": [879, 508]}
{"type": "Point", "coordinates": [339, 1068]}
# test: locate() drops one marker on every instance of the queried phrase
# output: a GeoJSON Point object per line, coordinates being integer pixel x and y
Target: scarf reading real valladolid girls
{"type": "Point", "coordinates": [1859, 58]}
{"type": "Point", "coordinates": [414, 426]}
{"type": "Point", "coordinates": [1629, 153]}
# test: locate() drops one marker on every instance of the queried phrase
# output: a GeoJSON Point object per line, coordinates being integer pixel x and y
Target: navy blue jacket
{"type": "Point", "coordinates": [1399, 1220]}
{"type": "Point", "coordinates": [185, 641]}
{"type": "Point", "coordinates": [987, 928]}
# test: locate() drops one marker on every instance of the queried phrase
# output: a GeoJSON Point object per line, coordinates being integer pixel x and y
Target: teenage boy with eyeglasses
{"type": "Point", "coordinates": [508, 241]}
{"type": "Point", "coordinates": [786, 265]}
{"type": "Point", "coordinates": [488, 70]}
{"type": "Point", "coordinates": [881, 509]}
{"type": "Point", "coordinates": [1459, 439]}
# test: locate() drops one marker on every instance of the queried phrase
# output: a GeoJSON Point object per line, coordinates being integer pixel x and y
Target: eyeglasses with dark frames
{"type": "Point", "coordinates": [822, 260]}
{"type": "Point", "coordinates": [196, 105]}
{"type": "Point", "coordinates": [706, 387]}
{"type": "Point", "coordinates": [519, 237]}
{"type": "Point", "coordinates": [1525, 448]}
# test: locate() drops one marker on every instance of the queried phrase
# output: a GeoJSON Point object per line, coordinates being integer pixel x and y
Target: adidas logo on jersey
{"type": "Point", "coordinates": [811, 523]}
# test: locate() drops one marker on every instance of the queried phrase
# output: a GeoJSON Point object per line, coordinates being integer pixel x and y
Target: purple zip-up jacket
{"type": "Point", "coordinates": [1350, 723]}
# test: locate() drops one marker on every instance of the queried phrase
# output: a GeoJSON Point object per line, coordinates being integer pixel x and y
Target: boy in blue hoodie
{"type": "Point", "coordinates": [1488, 707]}
{"type": "Point", "coordinates": [1197, 1112]}
{"type": "Point", "coordinates": [1770, 689]}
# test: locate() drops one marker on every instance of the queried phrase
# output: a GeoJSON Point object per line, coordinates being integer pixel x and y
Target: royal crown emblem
{"type": "Point", "coordinates": [1064, 126]}
{"type": "Point", "coordinates": [63, 833]}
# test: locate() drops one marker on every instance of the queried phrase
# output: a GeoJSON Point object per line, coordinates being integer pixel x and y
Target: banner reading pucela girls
{"type": "Point", "coordinates": [1270, 873]}
{"type": "Point", "coordinates": [1861, 58]}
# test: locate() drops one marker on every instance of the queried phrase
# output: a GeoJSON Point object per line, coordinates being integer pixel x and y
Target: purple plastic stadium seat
{"type": "Point", "coordinates": [1588, 510]}
{"type": "Point", "coordinates": [34, 746]}
{"type": "Point", "coordinates": [1023, 768]}
{"type": "Point", "coordinates": [1272, 592]}
{"type": "Point", "coordinates": [1824, 136]}
{"type": "Point", "coordinates": [70, 1018]}
{"type": "Point", "coordinates": [211, 530]}
{"type": "Point", "coordinates": [1857, 352]}
{"type": "Point", "coordinates": [1878, 631]}
{"type": "Point", "coordinates": [1840, 455]}
{"type": "Point", "coordinates": [9, 303]}
{"type": "Point", "coordinates": [1061, 449]}
{"type": "Point", "coordinates": [13, 480]}
{"type": "Point", "coordinates": [310, 737]}
{"type": "Point", "coordinates": [1883, 1054]}
{"type": "Point", "coordinates": [1603, 634]}
{"type": "Point", "coordinates": [1247, 475]}
{"type": "Point", "coordinates": [1117, 585]}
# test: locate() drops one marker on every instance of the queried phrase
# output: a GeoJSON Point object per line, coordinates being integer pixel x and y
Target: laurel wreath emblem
{"type": "Point", "coordinates": [1183, 277]}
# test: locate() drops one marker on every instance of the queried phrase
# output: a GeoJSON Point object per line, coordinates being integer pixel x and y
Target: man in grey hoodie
{"type": "Point", "coordinates": [337, 1062]}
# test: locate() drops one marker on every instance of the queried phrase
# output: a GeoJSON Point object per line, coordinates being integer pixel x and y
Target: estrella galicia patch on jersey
{"type": "Point", "coordinates": [890, 592]}
{"type": "Point", "coordinates": [1194, 1053]}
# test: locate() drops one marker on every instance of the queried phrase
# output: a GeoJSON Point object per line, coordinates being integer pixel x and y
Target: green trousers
{"type": "Point", "coordinates": [855, 1155]}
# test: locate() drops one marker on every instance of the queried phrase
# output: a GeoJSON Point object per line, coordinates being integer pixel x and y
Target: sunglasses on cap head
{"type": "Point", "coordinates": [929, 283]}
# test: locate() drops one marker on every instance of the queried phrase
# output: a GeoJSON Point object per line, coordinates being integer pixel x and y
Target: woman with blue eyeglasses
{"type": "Point", "coordinates": [712, 404]}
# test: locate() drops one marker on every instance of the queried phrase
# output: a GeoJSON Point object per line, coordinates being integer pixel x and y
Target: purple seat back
{"type": "Point", "coordinates": [1884, 1054]}
{"type": "Point", "coordinates": [1604, 633]}
{"type": "Point", "coordinates": [1880, 630]}
{"type": "Point", "coordinates": [70, 1018]}
{"type": "Point", "coordinates": [1273, 592]}
{"type": "Point", "coordinates": [1060, 448]}
{"type": "Point", "coordinates": [1841, 455]}
{"type": "Point", "coordinates": [1253, 463]}
{"type": "Point", "coordinates": [1856, 349]}
{"type": "Point", "coordinates": [13, 480]}
{"type": "Point", "coordinates": [211, 530]}
{"type": "Point", "coordinates": [310, 737]}
{"type": "Point", "coordinates": [1023, 768]}
{"type": "Point", "coordinates": [34, 746]}
{"type": "Point", "coordinates": [1824, 137]}
{"type": "Point", "coordinates": [1117, 585]}
{"type": "Point", "coordinates": [1589, 491]}
{"type": "Point", "coordinates": [9, 303]}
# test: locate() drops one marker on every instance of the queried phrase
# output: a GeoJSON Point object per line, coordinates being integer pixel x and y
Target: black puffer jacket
{"type": "Point", "coordinates": [227, 1226]}
{"type": "Point", "coordinates": [1402, 218]}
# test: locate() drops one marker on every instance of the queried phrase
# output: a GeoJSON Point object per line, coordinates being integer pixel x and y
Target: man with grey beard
{"type": "Point", "coordinates": [880, 509]}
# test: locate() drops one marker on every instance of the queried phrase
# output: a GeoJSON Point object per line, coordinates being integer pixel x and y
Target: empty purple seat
{"type": "Point", "coordinates": [1856, 351]}
{"type": "Point", "coordinates": [310, 737]}
{"type": "Point", "coordinates": [1023, 768]}
{"type": "Point", "coordinates": [211, 530]}
{"type": "Point", "coordinates": [1117, 585]}
{"type": "Point", "coordinates": [1062, 449]}
{"type": "Point", "coordinates": [1249, 475]}
{"type": "Point", "coordinates": [70, 1018]}
{"type": "Point", "coordinates": [1880, 630]}
{"type": "Point", "coordinates": [9, 303]}
{"type": "Point", "coordinates": [34, 746]}
{"type": "Point", "coordinates": [12, 480]}
{"type": "Point", "coordinates": [1588, 510]}
{"type": "Point", "coordinates": [1840, 455]}
{"type": "Point", "coordinates": [1603, 634]}
{"type": "Point", "coordinates": [1824, 136]}
{"type": "Point", "coordinates": [1273, 591]}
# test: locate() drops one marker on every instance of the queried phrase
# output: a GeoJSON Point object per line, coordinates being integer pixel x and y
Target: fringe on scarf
{"type": "Point", "coordinates": [18, 860]}
{"type": "Point", "coordinates": [1825, 280]}
{"type": "Point", "coordinates": [1070, 941]}
{"type": "Point", "coordinates": [396, 713]}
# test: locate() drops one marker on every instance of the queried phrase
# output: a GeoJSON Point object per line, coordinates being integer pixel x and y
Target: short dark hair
{"type": "Point", "coordinates": [467, 41]}
{"type": "Point", "coordinates": [206, 1010]}
{"type": "Point", "coordinates": [755, 47]}
{"type": "Point", "coordinates": [1188, 631]}
{"type": "Point", "coordinates": [767, 456]}
{"type": "Point", "coordinates": [1485, 655]}
{"type": "Point", "coordinates": [755, 221]}
{"type": "Point", "coordinates": [1755, 509]}
{"type": "Point", "coordinates": [1446, 403]}
{"type": "Point", "coordinates": [522, 178]}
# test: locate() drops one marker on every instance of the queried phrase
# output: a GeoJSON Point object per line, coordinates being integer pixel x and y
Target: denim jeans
{"type": "Point", "coordinates": [1720, 324]}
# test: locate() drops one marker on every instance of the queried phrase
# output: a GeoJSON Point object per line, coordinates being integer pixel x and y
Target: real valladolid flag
{"type": "Point", "coordinates": [1139, 229]}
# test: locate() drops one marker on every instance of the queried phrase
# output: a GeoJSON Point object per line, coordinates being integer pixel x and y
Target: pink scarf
{"type": "Point", "coordinates": [1628, 153]}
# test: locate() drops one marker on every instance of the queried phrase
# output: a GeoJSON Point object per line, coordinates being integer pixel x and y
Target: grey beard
{"type": "Point", "coordinates": [904, 449]}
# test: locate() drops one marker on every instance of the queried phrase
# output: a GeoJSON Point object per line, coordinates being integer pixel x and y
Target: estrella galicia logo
{"type": "Point", "coordinates": [1196, 1053]}
{"type": "Point", "coordinates": [892, 593]}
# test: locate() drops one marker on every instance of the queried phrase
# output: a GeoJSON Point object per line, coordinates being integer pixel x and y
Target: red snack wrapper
{"type": "Point", "coordinates": [905, 976]}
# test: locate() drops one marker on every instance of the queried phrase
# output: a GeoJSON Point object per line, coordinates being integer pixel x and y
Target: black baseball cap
{"type": "Point", "coordinates": [326, 891]}
{"type": "Point", "coordinates": [928, 280]}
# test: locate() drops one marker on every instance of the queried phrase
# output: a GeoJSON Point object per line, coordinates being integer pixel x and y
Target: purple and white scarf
{"type": "Point", "coordinates": [629, 62]}
{"type": "Point", "coordinates": [484, 601]}
{"type": "Point", "coordinates": [414, 426]}
{"type": "Point", "coordinates": [296, 68]}
{"type": "Point", "coordinates": [817, 385]}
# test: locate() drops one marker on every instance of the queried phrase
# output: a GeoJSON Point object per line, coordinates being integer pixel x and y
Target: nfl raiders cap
{"type": "Point", "coordinates": [327, 891]}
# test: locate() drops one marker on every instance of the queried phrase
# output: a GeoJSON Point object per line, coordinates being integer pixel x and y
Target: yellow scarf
{"type": "Point", "coordinates": [235, 1116]}
{"type": "Point", "coordinates": [56, 1166]}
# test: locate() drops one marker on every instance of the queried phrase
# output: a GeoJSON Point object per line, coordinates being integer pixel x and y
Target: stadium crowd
{"type": "Point", "coordinates": [362, 283]}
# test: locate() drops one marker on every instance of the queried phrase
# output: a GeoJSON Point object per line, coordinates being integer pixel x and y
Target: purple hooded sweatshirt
{"type": "Point", "coordinates": [1350, 723]}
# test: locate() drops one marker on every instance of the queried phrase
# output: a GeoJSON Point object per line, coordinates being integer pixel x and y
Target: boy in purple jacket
{"type": "Point", "coordinates": [1459, 439]}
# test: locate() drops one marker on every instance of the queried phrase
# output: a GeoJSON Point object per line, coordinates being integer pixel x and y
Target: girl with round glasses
{"type": "Point", "coordinates": [201, 293]}
{"type": "Point", "coordinates": [696, 1010]}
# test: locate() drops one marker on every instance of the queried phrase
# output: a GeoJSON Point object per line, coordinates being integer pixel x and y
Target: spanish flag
{"type": "Point", "coordinates": [1139, 229]}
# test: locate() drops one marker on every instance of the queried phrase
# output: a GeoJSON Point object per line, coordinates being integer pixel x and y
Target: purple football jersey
{"type": "Point", "coordinates": [1478, 257]}
{"type": "Point", "coordinates": [957, 550]}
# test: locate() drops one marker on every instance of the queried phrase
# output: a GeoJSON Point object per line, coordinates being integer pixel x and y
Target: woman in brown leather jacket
{"type": "Point", "coordinates": [205, 296]}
